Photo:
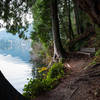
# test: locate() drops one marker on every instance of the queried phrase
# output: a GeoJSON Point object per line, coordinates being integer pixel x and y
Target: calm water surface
{"type": "Point", "coordinates": [14, 59]}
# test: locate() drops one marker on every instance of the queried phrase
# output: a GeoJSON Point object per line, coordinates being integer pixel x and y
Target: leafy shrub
{"type": "Point", "coordinates": [97, 53]}
{"type": "Point", "coordinates": [33, 88]}
{"type": "Point", "coordinates": [53, 76]}
{"type": "Point", "coordinates": [36, 86]}
{"type": "Point", "coordinates": [96, 59]}
{"type": "Point", "coordinates": [56, 71]}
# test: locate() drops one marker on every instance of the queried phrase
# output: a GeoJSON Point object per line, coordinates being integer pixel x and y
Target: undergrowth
{"type": "Point", "coordinates": [47, 81]}
{"type": "Point", "coordinates": [96, 59]}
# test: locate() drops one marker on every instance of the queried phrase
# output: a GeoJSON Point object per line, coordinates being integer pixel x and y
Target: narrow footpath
{"type": "Point", "coordinates": [82, 82]}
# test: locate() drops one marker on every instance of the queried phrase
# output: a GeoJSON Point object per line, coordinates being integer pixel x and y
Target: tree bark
{"type": "Point", "coordinates": [92, 7]}
{"type": "Point", "coordinates": [77, 19]}
{"type": "Point", "coordinates": [58, 48]}
{"type": "Point", "coordinates": [7, 91]}
{"type": "Point", "coordinates": [70, 33]}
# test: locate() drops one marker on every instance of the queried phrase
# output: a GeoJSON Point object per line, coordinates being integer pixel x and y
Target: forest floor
{"type": "Point", "coordinates": [82, 83]}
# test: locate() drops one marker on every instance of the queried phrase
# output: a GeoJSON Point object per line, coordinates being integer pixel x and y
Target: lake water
{"type": "Point", "coordinates": [14, 59]}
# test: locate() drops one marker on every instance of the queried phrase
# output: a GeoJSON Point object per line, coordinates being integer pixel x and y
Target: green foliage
{"type": "Point", "coordinates": [79, 44]}
{"type": "Point", "coordinates": [42, 22]}
{"type": "Point", "coordinates": [97, 53]}
{"type": "Point", "coordinates": [96, 58]}
{"type": "Point", "coordinates": [34, 88]}
{"type": "Point", "coordinates": [56, 71]}
{"type": "Point", "coordinates": [37, 86]}
{"type": "Point", "coordinates": [13, 13]}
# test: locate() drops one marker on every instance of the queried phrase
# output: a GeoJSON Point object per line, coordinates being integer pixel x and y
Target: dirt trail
{"type": "Point", "coordinates": [76, 86]}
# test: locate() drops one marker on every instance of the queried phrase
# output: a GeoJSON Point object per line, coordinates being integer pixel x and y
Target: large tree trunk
{"type": "Point", "coordinates": [7, 91]}
{"type": "Point", "coordinates": [92, 7]}
{"type": "Point", "coordinates": [58, 48]}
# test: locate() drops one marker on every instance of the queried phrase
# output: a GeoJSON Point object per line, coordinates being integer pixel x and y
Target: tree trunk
{"type": "Point", "coordinates": [71, 33]}
{"type": "Point", "coordinates": [92, 7]}
{"type": "Point", "coordinates": [7, 91]}
{"type": "Point", "coordinates": [58, 48]}
{"type": "Point", "coordinates": [76, 12]}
